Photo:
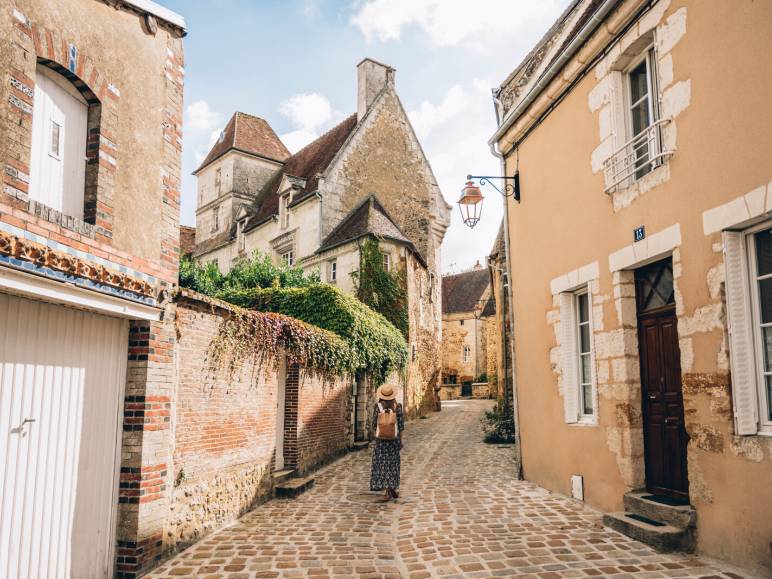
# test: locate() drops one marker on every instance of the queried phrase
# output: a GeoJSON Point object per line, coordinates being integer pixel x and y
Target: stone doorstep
{"type": "Point", "coordinates": [665, 538]}
{"type": "Point", "coordinates": [682, 516]}
{"type": "Point", "coordinates": [361, 445]}
{"type": "Point", "coordinates": [280, 476]}
{"type": "Point", "coordinates": [293, 488]}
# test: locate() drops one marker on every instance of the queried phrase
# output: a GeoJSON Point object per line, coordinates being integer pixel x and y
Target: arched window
{"type": "Point", "coordinates": [59, 136]}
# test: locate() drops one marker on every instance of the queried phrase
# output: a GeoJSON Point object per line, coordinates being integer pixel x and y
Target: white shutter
{"type": "Point", "coordinates": [568, 358]}
{"type": "Point", "coordinates": [738, 308]}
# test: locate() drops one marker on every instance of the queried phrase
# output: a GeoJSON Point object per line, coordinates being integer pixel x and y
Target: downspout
{"type": "Point", "coordinates": [508, 289]}
{"type": "Point", "coordinates": [321, 200]}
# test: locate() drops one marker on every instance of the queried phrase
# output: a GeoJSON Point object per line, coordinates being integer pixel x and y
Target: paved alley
{"type": "Point", "coordinates": [462, 513]}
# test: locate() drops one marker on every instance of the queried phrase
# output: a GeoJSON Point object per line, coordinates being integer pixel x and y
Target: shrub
{"type": "Point", "coordinates": [378, 347]}
{"type": "Point", "coordinates": [499, 423]}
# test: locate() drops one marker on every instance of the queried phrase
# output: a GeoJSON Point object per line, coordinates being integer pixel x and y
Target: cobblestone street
{"type": "Point", "coordinates": [461, 513]}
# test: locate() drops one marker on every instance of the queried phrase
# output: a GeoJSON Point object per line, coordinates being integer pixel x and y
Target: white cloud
{"type": "Point", "coordinates": [454, 134]}
{"type": "Point", "coordinates": [200, 116]}
{"type": "Point", "coordinates": [450, 22]}
{"type": "Point", "coordinates": [201, 153]}
{"type": "Point", "coordinates": [308, 113]}
{"type": "Point", "coordinates": [429, 116]}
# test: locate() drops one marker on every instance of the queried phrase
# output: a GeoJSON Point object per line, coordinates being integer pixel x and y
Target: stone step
{"type": "Point", "coordinates": [641, 503]}
{"type": "Point", "coordinates": [361, 445]}
{"type": "Point", "coordinates": [280, 476]}
{"type": "Point", "coordinates": [293, 487]}
{"type": "Point", "coordinates": [661, 536]}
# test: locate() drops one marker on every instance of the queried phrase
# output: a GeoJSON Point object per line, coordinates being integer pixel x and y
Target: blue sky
{"type": "Point", "coordinates": [293, 62]}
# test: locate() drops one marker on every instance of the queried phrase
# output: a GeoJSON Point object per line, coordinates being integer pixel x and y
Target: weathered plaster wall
{"type": "Point", "coordinates": [454, 337]}
{"type": "Point", "coordinates": [728, 474]}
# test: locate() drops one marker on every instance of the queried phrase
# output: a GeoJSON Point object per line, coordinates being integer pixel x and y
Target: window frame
{"type": "Point", "coordinates": [386, 261]}
{"type": "Point", "coordinates": [647, 55]}
{"type": "Point", "coordinates": [241, 237]}
{"type": "Point", "coordinates": [332, 271]}
{"type": "Point", "coordinates": [584, 417]}
{"type": "Point", "coordinates": [216, 219]}
{"type": "Point", "coordinates": [284, 202]}
{"type": "Point", "coordinates": [289, 262]}
{"type": "Point", "coordinates": [466, 354]}
{"type": "Point", "coordinates": [763, 403]}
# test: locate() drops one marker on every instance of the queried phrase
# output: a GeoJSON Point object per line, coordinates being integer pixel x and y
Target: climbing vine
{"type": "Point", "coordinates": [383, 291]}
{"type": "Point", "coordinates": [377, 346]}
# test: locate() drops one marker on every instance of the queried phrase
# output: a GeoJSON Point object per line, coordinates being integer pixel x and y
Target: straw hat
{"type": "Point", "coordinates": [386, 392]}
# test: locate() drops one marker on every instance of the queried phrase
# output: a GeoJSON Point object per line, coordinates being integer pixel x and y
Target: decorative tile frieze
{"type": "Point", "coordinates": [20, 104]}
{"type": "Point", "coordinates": [22, 249]}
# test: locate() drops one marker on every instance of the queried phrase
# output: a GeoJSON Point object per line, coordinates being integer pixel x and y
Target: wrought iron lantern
{"type": "Point", "coordinates": [471, 203]}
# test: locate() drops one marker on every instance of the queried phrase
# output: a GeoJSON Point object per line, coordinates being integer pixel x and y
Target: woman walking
{"type": "Point", "coordinates": [388, 423]}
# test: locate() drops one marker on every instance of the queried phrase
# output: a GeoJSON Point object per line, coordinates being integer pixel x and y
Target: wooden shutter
{"type": "Point", "coordinates": [741, 349]}
{"type": "Point", "coordinates": [568, 358]}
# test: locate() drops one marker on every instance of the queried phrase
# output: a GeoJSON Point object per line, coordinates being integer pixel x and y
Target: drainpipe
{"type": "Point", "coordinates": [321, 200]}
{"type": "Point", "coordinates": [508, 289]}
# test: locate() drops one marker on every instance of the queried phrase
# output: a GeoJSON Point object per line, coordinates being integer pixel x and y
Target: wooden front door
{"type": "Point", "coordinates": [665, 437]}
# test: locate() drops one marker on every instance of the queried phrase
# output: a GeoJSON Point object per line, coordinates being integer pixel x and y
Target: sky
{"type": "Point", "coordinates": [293, 63]}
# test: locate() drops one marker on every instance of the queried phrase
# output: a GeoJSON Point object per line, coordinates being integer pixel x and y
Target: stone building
{"type": "Point", "coordinates": [641, 133]}
{"type": "Point", "coordinates": [366, 177]}
{"type": "Point", "coordinates": [499, 324]}
{"type": "Point", "coordinates": [89, 212]}
{"type": "Point", "coordinates": [467, 308]}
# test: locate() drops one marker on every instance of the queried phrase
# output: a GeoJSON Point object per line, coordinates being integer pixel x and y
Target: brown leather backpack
{"type": "Point", "coordinates": [387, 423]}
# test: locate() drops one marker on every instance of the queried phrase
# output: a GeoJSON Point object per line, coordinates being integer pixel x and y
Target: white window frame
{"type": "Point", "coordinates": [216, 219]}
{"type": "Point", "coordinates": [241, 237]}
{"type": "Point", "coordinates": [648, 55]}
{"type": "Point", "coordinates": [288, 257]}
{"type": "Point", "coordinates": [284, 202]}
{"type": "Point", "coordinates": [583, 416]}
{"type": "Point", "coordinates": [386, 260]}
{"type": "Point", "coordinates": [571, 359]}
{"type": "Point", "coordinates": [762, 402]}
{"type": "Point", "coordinates": [467, 353]}
{"type": "Point", "coordinates": [332, 271]}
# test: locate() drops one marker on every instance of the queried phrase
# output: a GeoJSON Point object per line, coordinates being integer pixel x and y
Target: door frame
{"type": "Point", "coordinates": [667, 310]}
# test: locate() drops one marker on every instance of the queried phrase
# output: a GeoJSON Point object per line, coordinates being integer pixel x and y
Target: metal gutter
{"type": "Point", "coordinates": [553, 70]}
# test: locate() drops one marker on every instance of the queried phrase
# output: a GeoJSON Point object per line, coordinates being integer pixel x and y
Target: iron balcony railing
{"type": "Point", "coordinates": [636, 157]}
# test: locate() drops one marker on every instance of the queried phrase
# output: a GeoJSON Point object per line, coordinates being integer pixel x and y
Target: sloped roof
{"type": "Point", "coordinates": [249, 134]}
{"type": "Point", "coordinates": [498, 244]}
{"type": "Point", "coordinates": [461, 292]}
{"type": "Point", "coordinates": [368, 218]}
{"type": "Point", "coordinates": [187, 239]}
{"type": "Point", "coordinates": [490, 308]}
{"type": "Point", "coordinates": [307, 164]}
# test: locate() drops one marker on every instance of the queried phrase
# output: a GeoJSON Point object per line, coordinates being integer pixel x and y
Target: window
{"type": "Point", "coordinates": [216, 219]}
{"type": "Point", "coordinates": [584, 353]}
{"type": "Point", "coordinates": [58, 154]}
{"type": "Point", "coordinates": [414, 355]}
{"type": "Point", "coordinates": [461, 322]}
{"type": "Point", "coordinates": [576, 356]}
{"type": "Point", "coordinates": [642, 113]}
{"type": "Point", "coordinates": [288, 258]}
{"type": "Point", "coordinates": [386, 261]}
{"type": "Point", "coordinates": [748, 257]}
{"type": "Point", "coordinates": [431, 287]}
{"type": "Point", "coordinates": [284, 211]}
{"type": "Point", "coordinates": [452, 379]}
{"type": "Point", "coordinates": [218, 180]}
{"type": "Point", "coordinates": [333, 271]}
{"type": "Point", "coordinates": [467, 353]}
{"type": "Point", "coordinates": [241, 236]}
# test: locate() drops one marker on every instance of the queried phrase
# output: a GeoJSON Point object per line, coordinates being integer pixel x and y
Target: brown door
{"type": "Point", "coordinates": [665, 437]}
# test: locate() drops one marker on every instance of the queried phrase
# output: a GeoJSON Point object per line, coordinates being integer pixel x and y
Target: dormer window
{"type": "Point", "coordinates": [59, 133]}
{"type": "Point", "coordinates": [284, 202]}
{"type": "Point", "coordinates": [241, 237]}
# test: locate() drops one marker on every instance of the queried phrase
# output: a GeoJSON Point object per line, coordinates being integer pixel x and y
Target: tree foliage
{"type": "Point", "coordinates": [381, 290]}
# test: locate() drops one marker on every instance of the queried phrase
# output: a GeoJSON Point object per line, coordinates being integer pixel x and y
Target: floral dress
{"type": "Point", "coordinates": [386, 463]}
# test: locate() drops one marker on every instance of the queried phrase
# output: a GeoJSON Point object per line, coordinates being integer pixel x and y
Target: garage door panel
{"type": "Point", "coordinates": [65, 369]}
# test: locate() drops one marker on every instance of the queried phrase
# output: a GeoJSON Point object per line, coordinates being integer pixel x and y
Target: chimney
{"type": "Point", "coordinates": [372, 77]}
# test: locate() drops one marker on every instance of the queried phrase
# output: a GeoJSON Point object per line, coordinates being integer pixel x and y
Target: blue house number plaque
{"type": "Point", "coordinates": [639, 233]}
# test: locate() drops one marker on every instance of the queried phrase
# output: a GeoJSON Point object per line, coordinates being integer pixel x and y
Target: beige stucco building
{"type": "Point", "coordinates": [365, 177]}
{"type": "Point", "coordinates": [643, 137]}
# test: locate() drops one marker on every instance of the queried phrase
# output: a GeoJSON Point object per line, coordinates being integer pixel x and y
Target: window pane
{"type": "Point", "coordinates": [769, 397]}
{"type": "Point", "coordinates": [639, 84]}
{"type": "Point", "coordinates": [584, 338]}
{"type": "Point", "coordinates": [583, 313]}
{"type": "Point", "coordinates": [587, 399]}
{"type": "Point", "coordinates": [764, 252]}
{"type": "Point", "coordinates": [767, 347]}
{"type": "Point", "coordinates": [765, 300]}
{"type": "Point", "coordinates": [641, 120]}
{"type": "Point", "coordinates": [586, 370]}
{"type": "Point", "coordinates": [56, 131]}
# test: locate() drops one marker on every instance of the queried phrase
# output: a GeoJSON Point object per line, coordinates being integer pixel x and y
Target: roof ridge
{"type": "Point", "coordinates": [320, 137]}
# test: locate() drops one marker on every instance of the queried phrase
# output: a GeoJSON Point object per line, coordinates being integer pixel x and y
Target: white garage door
{"type": "Point", "coordinates": [62, 375]}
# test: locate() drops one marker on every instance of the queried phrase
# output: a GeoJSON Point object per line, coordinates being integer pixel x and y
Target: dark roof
{"type": "Point", "coordinates": [187, 239]}
{"type": "Point", "coordinates": [461, 292]}
{"type": "Point", "coordinates": [489, 309]}
{"type": "Point", "coordinates": [249, 134]}
{"type": "Point", "coordinates": [306, 164]}
{"type": "Point", "coordinates": [213, 243]}
{"type": "Point", "coordinates": [367, 218]}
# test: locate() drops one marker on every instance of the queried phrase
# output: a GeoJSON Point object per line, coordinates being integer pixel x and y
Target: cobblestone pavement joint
{"type": "Point", "coordinates": [462, 513]}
